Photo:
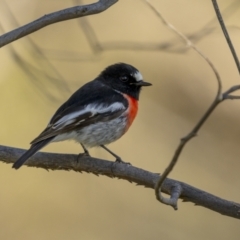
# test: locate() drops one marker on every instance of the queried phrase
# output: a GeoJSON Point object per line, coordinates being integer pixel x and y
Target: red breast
{"type": "Point", "coordinates": [132, 110]}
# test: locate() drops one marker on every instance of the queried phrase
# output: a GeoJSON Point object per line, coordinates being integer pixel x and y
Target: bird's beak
{"type": "Point", "coordinates": [142, 83]}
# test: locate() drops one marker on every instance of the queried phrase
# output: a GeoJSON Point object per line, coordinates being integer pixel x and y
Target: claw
{"type": "Point", "coordinates": [119, 160]}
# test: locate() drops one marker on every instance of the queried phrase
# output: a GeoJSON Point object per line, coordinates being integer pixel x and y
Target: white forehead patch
{"type": "Point", "coordinates": [138, 76]}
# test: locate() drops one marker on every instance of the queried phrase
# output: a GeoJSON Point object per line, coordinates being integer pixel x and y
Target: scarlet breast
{"type": "Point", "coordinates": [132, 110]}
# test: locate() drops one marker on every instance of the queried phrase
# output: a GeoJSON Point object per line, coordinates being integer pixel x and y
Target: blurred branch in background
{"type": "Point", "coordinates": [98, 46]}
{"type": "Point", "coordinates": [63, 15]}
{"type": "Point", "coordinates": [50, 77]}
{"type": "Point", "coordinates": [81, 162]}
{"type": "Point", "coordinates": [171, 46]}
{"type": "Point", "coordinates": [43, 80]}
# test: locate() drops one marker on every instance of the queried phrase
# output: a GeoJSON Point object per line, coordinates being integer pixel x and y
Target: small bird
{"type": "Point", "coordinates": [98, 113]}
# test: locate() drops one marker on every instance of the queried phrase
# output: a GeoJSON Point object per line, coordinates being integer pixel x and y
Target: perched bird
{"type": "Point", "coordinates": [98, 113]}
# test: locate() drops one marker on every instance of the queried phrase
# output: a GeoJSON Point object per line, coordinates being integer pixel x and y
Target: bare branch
{"type": "Point", "coordinates": [62, 15]}
{"type": "Point", "coordinates": [139, 176]}
{"type": "Point", "coordinates": [227, 95]}
{"type": "Point", "coordinates": [195, 130]}
{"type": "Point", "coordinates": [188, 43]}
{"type": "Point", "coordinates": [231, 90]}
{"type": "Point", "coordinates": [223, 96]}
{"type": "Point", "coordinates": [225, 32]}
{"type": "Point", "coordinates": [176, 191]}
{"type": "Point", "coordinates": [232, 97]}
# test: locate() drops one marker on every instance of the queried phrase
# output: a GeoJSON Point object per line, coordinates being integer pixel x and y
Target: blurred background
{"type": "Point", "coordinates": [39, 72]}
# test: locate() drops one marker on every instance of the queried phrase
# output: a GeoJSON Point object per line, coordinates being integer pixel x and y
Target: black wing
{"type": "Point", "coordinates": [82, 109]}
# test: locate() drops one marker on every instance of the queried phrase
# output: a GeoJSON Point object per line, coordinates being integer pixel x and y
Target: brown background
{"type": "Point", "coordinates": [36, 204]}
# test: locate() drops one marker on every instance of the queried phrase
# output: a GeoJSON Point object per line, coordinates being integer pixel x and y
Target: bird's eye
{"type": "Point", "coordinates": [124, 78]}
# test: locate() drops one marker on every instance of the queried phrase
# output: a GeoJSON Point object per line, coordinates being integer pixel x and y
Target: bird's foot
{"type": "Point", "coordinates": [86, 153]}
{"type": "Point", "coordinates": [119, 160]}
{"type": "Point", "coordinates": [80, 155]}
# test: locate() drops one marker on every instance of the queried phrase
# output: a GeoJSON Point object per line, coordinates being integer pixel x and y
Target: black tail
{"type": "Point", "coordinates": [33, 149]}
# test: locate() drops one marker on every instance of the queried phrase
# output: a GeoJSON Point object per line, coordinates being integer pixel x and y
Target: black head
{"type": "Point", "coordinates": [124, 78]}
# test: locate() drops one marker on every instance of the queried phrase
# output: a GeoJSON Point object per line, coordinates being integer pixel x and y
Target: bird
{"type": "Point", "coordinates": [97, 114]}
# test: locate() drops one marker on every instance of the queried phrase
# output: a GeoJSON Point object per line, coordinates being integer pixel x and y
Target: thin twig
{"type": "Point", "coordinates": [232, 97]}
{"type": "Point", "coordinates": [195, 130]}
{"type": "Point", "coordinates": [231, 90]}
{"type": "Point", "coordinates": [178, 151]}
{"type": "Point", "coordinates": [227, 95]}
{"type": "Point", "coordinates": [188, 43]}
{"type": "Point", "coordinates": [183, 142]}
{"type": "Point", "coordinates": [225, 32]}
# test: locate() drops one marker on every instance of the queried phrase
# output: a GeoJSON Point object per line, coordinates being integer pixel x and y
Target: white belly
{"type": "Point", "coordinates": [97, 134]}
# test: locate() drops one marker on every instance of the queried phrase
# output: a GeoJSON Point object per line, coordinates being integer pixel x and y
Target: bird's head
{"type": "Point", "coordinates": [124, 78]}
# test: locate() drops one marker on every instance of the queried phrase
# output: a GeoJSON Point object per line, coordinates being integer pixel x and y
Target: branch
{"type": "Point", "coordinates": [199, 124]}
{"type": "Point", "coordinates": [139, 176]}
{"type": "Point", "coordinates": [225, 32]}
{"type": "Point", "coordinates": [220, 97]}
{"type": "Point", "coordinates": [62, 15]}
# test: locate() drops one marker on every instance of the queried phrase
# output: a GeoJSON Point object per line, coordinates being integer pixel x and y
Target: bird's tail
{"type": "Point", "coordinates": [33, 149]}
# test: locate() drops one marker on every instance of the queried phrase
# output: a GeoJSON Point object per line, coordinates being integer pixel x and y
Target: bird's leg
{"type": "Point", "coordinates": [118, 159]}
{"type": "Point", "coordinates": [86, 152]}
